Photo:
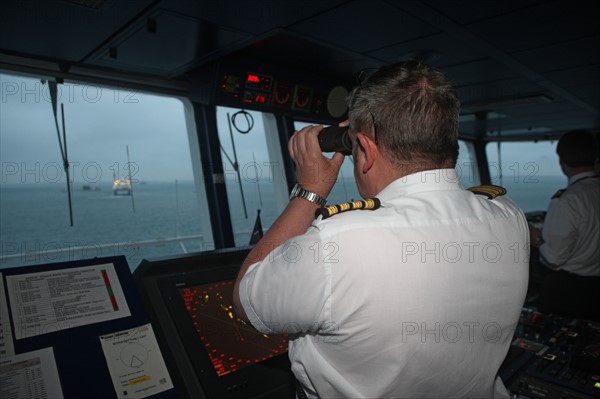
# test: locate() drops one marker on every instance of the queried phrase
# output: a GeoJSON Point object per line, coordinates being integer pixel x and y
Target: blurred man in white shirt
{"type": "Point", "coordinates": [569, 241]}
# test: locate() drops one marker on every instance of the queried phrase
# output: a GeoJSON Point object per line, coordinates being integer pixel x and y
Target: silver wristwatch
{"type": "Point", "coordinates": [315, 198]}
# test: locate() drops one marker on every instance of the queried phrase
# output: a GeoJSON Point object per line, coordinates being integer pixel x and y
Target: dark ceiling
{"type": "Point", "coordinates": [524, 68]}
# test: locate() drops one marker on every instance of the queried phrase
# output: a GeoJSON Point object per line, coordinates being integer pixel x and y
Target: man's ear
{"type": "Point", "coordinates": [368, 146]}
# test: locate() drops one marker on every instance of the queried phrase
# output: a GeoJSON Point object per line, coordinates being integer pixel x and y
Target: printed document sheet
{"type": "Point", "coordinates": [30, 375]}
{"type": "Point", "coordinates": [135, 363]}
{"type": "Point", "coordinates": [50, 301]}
{"type": "Point", "coordinates": [6, 340]}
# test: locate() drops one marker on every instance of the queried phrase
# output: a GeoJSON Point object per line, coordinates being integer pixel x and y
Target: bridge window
{"type": "Point", "coordinates": [253, 174]}
{"type": "Point", "coordinates": [156, 213]}
{"type": "Point", "coordinates": [528, 170]}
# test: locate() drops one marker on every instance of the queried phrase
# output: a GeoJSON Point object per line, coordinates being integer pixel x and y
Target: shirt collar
{"type": "Point", "coordinates": [580, 176]}
{"type": "Point", "coordinates": [428, 180]}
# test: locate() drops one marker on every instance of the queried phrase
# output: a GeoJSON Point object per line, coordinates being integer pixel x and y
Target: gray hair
{"type": "Point", "coordinates": [411, 109]}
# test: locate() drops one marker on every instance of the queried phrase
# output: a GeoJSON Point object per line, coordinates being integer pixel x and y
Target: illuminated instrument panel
{"type": "Point", "coordinates": [258, 82]}
{"type": "Point", "coordinates": [230, 343]}
{"type": "Point", "coordinates": [253, 85]}
{"type": "Point", "coordinates": [269, 92]}
{"type": "Point", "coordinates": [257, 88]}
{"type": "Point", "coordinates": [210, 353]}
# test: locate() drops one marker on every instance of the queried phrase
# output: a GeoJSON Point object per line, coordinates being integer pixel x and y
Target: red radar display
{"type": "Point", "coordinates": [231, 344]}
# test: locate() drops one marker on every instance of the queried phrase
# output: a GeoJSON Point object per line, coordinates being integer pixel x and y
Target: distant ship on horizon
{"type": "Point", "coordinates": [122, 187]}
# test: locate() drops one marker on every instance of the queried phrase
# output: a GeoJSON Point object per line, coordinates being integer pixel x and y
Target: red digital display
{"type": "Point", "coordinates": [231, 344]}
{"type": "Point", "coordinates": [257, 81]}
{"type": "Point", "coordinates": [253, 78]}
{"type": "Point", "coordinates": [256, 97]}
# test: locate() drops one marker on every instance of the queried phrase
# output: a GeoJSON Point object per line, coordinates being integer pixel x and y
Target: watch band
{"type": "Point", "coordinates": [315, 198]}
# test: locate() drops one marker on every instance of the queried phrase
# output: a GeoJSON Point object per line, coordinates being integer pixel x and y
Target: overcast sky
{"type": "Point", "coordinates": [101, 122]}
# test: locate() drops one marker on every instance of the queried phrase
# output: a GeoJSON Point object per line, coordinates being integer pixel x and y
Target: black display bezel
{"type": "Point", "coordinates": [256, 379]}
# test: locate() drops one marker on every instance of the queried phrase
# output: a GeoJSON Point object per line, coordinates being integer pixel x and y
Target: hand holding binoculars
{"type": "Point", "coordinates": [335, 139]}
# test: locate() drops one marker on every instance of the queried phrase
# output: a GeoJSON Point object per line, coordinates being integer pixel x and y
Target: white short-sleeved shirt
{"type": "Point", "coordinates": [571, 230]}
{"type": "Point", "coordinates": [419, 298]}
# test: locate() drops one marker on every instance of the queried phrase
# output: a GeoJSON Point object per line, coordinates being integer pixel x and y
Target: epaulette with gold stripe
{"type": "Point", "coordinates": [559, 193]}
{"type": "Point", "coordinates": [489, 190]}
{"type": "Point", "coordinates": [328, 211]}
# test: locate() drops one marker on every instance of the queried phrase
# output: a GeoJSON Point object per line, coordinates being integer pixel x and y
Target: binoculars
{"type": "Point", "coordinates": [335, 139]}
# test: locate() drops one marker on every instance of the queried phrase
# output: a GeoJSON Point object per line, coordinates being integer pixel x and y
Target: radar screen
{"type": "Point", "coordinates": [231, 344]}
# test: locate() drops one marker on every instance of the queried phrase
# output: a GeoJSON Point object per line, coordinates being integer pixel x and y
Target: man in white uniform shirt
{"type": "Point", "coordinates": [569, 241]}
{"type": "Point", "coordinates": [418, 298]}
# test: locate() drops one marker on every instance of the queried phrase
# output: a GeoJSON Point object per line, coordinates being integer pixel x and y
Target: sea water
{"type": "Point", "coordinates": [162, 220]}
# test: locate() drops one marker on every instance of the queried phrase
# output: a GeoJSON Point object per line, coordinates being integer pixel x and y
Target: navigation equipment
{"type": "Point", "coordinates": [214, 353]}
